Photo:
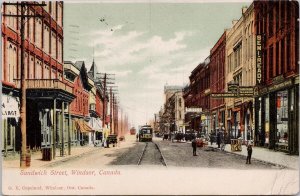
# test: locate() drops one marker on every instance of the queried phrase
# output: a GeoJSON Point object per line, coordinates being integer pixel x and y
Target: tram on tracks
{"type": "Point", "coordinates": [145, 133]}
{"type": "Point", "coordinates": [132, 131]}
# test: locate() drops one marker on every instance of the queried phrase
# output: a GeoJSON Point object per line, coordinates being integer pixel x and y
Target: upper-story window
{"type": "Point", "coordinates": [46, 39]}
{"type": "Point", "coordinates": [59, 14]}
{"type": "Point", "coordinates": [38, 32]}
{"type": "Point", "coordinates": [180, 102]}
{"type": "Point", "coordinates": [53, 9]}
{"type": "Point", "coordinates": [53, 45]}
{"type": "Point", "coordinates": [11, 21]}
{"type": "Point", "coordinates": [237, 55]}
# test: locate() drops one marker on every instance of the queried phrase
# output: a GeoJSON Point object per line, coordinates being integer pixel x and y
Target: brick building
{"type": "Point", "coordinates": [217, 82]}
{"type": "Point", "coordinates": [277, 39]}
{"type": "Point", "coordinates": [197, 96]}
{"type": "Point", "coordinates": [47, 92]}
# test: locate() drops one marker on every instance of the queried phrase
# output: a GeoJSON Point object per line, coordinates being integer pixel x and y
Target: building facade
{"type": "Point", "coordinates": [196, 95]}
{"type": "Point", "coordinates": [47, 92]}
{"type": "Point", "coordinates": [277, 77]}
{"type": "Point", "coordinates": [179, 112]}
{"type": "Point", "coordinates": [217, 82]}
{"type": "Point", "coordinates": [240, 72]}
{"type": "Point", "coordinates": [76, 75]}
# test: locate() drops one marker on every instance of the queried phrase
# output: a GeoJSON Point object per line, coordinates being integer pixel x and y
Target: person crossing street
{"type": "Point", "coordinates": [194, 145]}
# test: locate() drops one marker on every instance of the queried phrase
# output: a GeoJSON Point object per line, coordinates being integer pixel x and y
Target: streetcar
{"type": "Point", "coordinates": [145, 133]}
{"type": "Point", "coordinates": [132, 131]}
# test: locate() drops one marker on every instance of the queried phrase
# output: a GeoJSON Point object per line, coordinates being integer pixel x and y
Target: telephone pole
{"type": "Point", "coordinates": [22, 16]}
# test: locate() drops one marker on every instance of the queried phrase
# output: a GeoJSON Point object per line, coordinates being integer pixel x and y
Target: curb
{"type": "Point", "coordinates": [259, 160]}
{"type": "Point", "coordinates": [68, 158]}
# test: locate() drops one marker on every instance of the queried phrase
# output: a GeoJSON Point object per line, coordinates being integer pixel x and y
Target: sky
{"type": "Point", "coordinates": [146, 45]}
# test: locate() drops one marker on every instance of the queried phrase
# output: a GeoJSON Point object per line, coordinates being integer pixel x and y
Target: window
{"type": "Point", "coordinates": [288, 51]}
{"type": "Point", "coordinates": [38, 33]}
{"type": "Point", "coordinates": [277, 15]}
{"type": "Point", "coordinates": [53, 45]}
{"type": "Point", "coordinates": [179, 102]}
{"type": "Point", "coordinates": [31, 27]}
{"type": "Point", "coordinates": [271, 22]}
{"type": "Point", "coordinates": [277, 59]}
{"type": "Point", "coordinates": [282, 57]}
{"type": "Point", "coordinates": [31, 68]}
{"type": "Point", "coordinates": [270, 62]}
{"type": "Point", "coordinates": [282, 14]}
{"type": "Point", "coordinates": [46, 39]}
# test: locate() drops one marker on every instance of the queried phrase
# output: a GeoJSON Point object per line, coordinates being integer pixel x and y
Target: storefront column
{"type": "Point", "coordinates": [62, 129]}
{"type": "Point", "coordinates": [69, 131]}
{"type": "Point", "coordinates": [257, 136]}
{"type": "Point", "coordinates": [293, 121]}
{"type": "Point", "coordinates": [273, 120]}
{"type": "Point", "coordinates": [54, 130]}
{"type": "Point", "coordinates": [5, 137]}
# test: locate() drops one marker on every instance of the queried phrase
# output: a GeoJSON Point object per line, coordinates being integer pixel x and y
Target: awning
{"type": "Point", "coordinates": [95, 124]}
{"type": "Point", "coordinates": [83, 126]}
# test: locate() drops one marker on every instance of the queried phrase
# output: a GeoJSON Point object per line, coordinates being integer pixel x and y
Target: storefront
{"type": "Point", "coordinates": [97, 134]}
{"type": "Point", "coordinates": [276, 125]}
{"type": "Point", "coordinates": [247, 125]}
{"type": "Point", "coordinates": [10, 124]}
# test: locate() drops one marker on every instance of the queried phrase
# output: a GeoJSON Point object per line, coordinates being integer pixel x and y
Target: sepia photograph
{"type": "Point", "coordinates": [150, 97]}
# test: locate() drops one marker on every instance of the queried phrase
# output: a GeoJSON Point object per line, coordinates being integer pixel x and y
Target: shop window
{"type": "Point", "coordinates": [282, 116]}
{"type": "Point", "coordinates": [267, 119]}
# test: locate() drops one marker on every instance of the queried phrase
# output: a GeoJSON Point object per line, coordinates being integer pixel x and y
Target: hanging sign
{"type": "Point", "coordinates": [10, 107]}
{"type": "Point", "coordinates": [258, 59]}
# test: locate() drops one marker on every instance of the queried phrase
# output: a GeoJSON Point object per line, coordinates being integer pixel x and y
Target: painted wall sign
{"type": "Point", "coordinates": [258, 59]}
{"type": "Point", "coordinates": [10, 107]}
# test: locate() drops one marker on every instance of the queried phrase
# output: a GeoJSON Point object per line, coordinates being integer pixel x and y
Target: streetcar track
{"type": "Point", "coordinates": [161, 158]}
{"type": "Point", "coordinates": [141, 157]}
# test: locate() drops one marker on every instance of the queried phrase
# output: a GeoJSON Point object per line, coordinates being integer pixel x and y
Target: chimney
{"type": "Point", "coordinates": [244, 9]}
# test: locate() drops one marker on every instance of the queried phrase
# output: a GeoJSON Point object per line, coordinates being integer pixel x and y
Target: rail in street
{"type": "Point", "coordinates": [151, 155]}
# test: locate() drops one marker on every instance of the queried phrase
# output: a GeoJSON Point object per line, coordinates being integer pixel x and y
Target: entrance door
{"type": "Point", "coordinates": [45, 129]}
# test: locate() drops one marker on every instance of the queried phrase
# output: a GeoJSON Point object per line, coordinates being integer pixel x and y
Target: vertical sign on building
{"type": "Point", "coordinates": [258, 60]}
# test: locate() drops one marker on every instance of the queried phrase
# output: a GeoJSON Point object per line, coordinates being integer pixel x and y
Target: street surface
{"type": "Point", "coordinates": [174, 154]}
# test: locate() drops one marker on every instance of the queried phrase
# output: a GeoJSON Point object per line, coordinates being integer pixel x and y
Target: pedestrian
{"type": "Point", "coordinates": [107, 143]}
{"type": "Point", "coordinates": [137, 137]}
{"type": "Point", "coordinates": [249, 150]}
{"type": "Point", "coordinates": [219, 139]}
{"type": "Point", "coordinates": [211, 138]}
{"type": "Point", "coordinates": [194, 145]}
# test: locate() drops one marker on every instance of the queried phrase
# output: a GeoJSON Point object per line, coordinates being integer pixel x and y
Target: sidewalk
{"type": "Point", "coordinates": [36, 157]}
{"type": "Point", "coordinates": [13, 162]}
{"type": "Point", "coordinates": [266, 155]}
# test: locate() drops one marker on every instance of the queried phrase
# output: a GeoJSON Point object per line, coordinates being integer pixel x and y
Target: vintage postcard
{"type": "Point", "coordinates": [150, 97]}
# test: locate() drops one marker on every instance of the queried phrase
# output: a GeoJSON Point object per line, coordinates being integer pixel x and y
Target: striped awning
{"type": "Point", "coordinates": [82, 126]}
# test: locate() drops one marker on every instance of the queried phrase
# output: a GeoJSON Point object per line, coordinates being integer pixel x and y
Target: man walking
{"type": "Point", "coordinates": [219, 139]}
{"type": "Point", "coordinates": [194, 145]}
{"type": "Point", "coordinates": [249, 150]}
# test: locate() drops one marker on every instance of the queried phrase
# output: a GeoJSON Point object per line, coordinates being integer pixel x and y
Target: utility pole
{"type": "Point", "coordinates": [107, 80]}
{"type": "Point", "coordinates": [104, 103]}
{"type": "Point", "coordinates": [23, 74]}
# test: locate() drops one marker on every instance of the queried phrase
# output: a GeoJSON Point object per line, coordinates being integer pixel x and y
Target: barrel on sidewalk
{"type": "Point", "coordinates": [47, 154]}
